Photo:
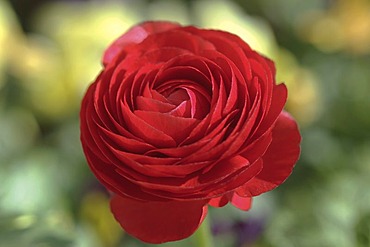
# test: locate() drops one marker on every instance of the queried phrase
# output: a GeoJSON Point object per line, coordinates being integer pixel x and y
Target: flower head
{"type": "Point", "coordinates": [181, 118]}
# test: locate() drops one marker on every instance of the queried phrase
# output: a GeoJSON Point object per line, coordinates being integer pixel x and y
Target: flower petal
{"type": "Point", "coordinates": [243, 203]}
{"type": "Point", "coordinates": [176, 127]}
{"type": "Point", "coordinates": [158, 222]}
{"type": "Point", "coordinates": [279, 159]}
{"type": "Point", "coordinates": [220, 201]}
{"type": "Point", "coordinates": [136, 35]}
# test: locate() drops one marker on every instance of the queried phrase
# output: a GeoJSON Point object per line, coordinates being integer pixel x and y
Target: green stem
{"type": "Point", "coordinates": [203, 236]}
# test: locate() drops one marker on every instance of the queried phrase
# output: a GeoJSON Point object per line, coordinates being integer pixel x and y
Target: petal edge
{"type": "Point", "coordinates": [279, 159]}
{"type": "Point", "coordinates": [158, 222]}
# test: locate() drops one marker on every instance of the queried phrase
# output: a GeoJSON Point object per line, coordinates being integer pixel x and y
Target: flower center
{"type": "Point", "coordinates": [177, 96]}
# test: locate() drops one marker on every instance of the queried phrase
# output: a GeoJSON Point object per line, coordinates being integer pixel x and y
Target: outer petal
{"type": "Point", "coordinates": [243, 203]}
{"type": "Point", "coordinates": [279, 159]}
{"type": "Point", "coordinates": [158, 222]}
{"type": "Point", "coordinates": [135, 35]}
{"type": "Point", "coordinates": [220, 201]}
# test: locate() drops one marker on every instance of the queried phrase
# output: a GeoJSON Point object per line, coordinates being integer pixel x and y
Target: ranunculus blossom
{"type": "Point", "coordinates": [181, 118]}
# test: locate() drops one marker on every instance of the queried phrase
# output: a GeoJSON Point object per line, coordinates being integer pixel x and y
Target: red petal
{"type": "Point", "coordinates": [176, 127]}
{"type": "Point", "coordinates": [228, 44]}
{"type": "Point", "coordinates": [144, 131]}
{"type": "Point", "coordinates": [158, 222]}
{"type": "Point", "coordinates": [136, 35]}
{"type": "Point", "coordinates": [176, 38]}
{"type": "Point", "coordinates": [243, 203]}
{"type": "Point", "coordinates": [220, 201]}
{"type": "Point", "coordinates": [149, 104]}
{"type": "Point", "coordinates": [279, 159]}
{"type": "Point", "coordinates": [278, 100]}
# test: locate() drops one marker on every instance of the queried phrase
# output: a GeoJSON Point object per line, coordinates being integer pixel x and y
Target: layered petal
{"type": "Point", "coordinates": [136, 35]}
{"type": "Point", "coordinates": [279, 159]}
{"type": "Point", "coordinates": [158, 222]}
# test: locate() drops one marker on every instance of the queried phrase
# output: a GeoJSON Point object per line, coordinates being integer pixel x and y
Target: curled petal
{"type": "Point", "coordinates": [279, 159]}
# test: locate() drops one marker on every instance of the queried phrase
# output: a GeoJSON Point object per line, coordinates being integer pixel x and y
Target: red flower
{"type": "Point", "coordinates": [181, 118]}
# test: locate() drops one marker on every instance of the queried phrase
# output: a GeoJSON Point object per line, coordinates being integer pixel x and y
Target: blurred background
{"type": "Point", "coordinates": [51, 50]}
